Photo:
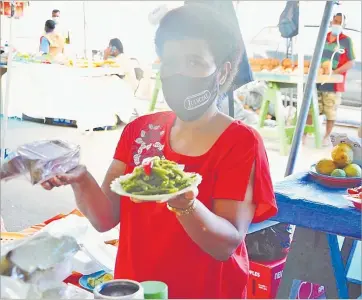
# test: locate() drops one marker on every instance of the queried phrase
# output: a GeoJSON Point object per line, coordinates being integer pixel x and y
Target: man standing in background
{"type": "Point", "coordinates": [59, 26]}
{"type": "Point", "coordinates": [339, 55]}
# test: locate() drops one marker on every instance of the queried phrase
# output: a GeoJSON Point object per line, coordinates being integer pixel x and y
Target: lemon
{"type": "Point", "coordinates": [325, 166]}
{"type": "Point", "coordinates": [338, 173]}
{"type": "Point", "coordinates": [353, 170]}
{"type": "Point", "coordinates": [342, 155]}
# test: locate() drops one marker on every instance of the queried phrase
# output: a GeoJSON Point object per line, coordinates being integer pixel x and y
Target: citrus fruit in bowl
{"type": "Point", "coordinates": [325, 166]}
{"type": "Point", "coordinates": [342, 155]}
{"type": "Point", "coordinates": [335, 179]}
{"type": "Point", "coordinates": [339, 171]}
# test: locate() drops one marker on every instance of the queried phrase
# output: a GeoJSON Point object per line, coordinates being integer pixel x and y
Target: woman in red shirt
{"type": "Point", "coordinates": [195, 243]}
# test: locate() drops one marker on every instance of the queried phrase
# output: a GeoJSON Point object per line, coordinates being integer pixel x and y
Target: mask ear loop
{"type": "Point", "coordinates": [219, 97]}
{"type": "Point", "coordinates": [336, 50]}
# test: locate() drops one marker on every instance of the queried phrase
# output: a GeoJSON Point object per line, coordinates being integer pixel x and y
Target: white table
{"type": "Point", "coordinates": [86, 95]}
{"type": "Point", "coordinates": [294, 78]}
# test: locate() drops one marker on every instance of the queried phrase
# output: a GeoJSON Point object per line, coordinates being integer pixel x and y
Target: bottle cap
{"type": "Point", "coordinates": [155, 290]}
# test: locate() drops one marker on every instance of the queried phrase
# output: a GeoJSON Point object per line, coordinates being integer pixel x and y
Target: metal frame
{"type": "Point", "coordinates": [338, 266]}
{"type": "Point", "coordinates": [349, 261]}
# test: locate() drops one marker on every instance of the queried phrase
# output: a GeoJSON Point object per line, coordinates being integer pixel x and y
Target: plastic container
{"type": "Point", "coordinates": [83, 264]}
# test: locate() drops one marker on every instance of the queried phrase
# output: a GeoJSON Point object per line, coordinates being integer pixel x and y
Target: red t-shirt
{"type": "Point", "coordinates": [339, 60]}
{"type": "Point", "coordinates": [154, 246]}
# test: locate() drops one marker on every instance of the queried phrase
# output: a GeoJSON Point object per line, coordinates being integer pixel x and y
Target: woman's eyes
{"type": "Point", "coordinates": [182, 65]}
{"type": "Point", "coordinates": [194, 63]}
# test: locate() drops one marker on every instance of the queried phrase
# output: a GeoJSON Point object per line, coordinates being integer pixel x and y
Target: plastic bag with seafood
{"type": "Point", "coordinates": [41, 160]}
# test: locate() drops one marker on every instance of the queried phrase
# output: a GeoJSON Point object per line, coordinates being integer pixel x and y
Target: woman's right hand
{"type": "Point", "coordinates": [74, 176]}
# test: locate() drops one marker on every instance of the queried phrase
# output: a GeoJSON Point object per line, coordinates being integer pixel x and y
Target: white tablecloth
{"type": "Point", "coordinates": [55, 91]}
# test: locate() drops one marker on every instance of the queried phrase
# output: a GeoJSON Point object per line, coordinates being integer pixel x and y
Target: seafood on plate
{"type": "Point", "coordinates": [158, 177]}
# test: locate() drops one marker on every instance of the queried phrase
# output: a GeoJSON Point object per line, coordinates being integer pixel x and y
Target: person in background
{"type": "Point", "coordinates": [59, 26]}
{"type": "Point", "coordinates": [115, 52]}
{"type": "Point", "coordinates": [195, 242]}
{"type": "Point", "coordinates": [329, 94]}
{"type": "Point", "coordinates": [51, 42]}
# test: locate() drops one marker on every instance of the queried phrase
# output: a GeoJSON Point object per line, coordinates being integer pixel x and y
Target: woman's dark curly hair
{"type": "Point", "coordinates": [198, 21]}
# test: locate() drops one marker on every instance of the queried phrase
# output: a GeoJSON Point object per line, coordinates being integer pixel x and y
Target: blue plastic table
{"type": "Point", "coordinates": [306, 204]}
{"type": "Point", "coordinates": [320, 214]}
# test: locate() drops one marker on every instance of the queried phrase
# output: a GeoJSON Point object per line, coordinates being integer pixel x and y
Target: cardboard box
{"type": "Point", "coordinates": [264, 279]}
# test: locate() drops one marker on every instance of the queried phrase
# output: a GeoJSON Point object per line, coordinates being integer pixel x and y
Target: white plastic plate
{"type": "Point", "coordinates": [116, 187]}
{"type": "Point", "coordinates": [352, 199]}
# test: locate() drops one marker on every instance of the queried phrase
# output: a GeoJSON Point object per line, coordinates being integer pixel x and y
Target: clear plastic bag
{"type": "Point", "coordinates": [41, 160]}
{"type": "Point", "coordinates": [15, 289]}
{"type": "Point", "coordinates": [41, 260]}
{"type": "Point", "coordinates": [354, 141]}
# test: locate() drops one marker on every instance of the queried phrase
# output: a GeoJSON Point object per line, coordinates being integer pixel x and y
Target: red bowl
{"type": "Point", "coordinates": [334, 182]}
{"type": "Point", "coordinates": [357, 205]}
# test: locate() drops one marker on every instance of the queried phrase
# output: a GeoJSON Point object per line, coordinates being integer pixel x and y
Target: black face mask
{"type": "Point", "coordinates": [190, 97]}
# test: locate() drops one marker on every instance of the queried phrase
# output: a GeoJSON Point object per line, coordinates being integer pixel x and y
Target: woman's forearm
{"type": "Point", "coordinates": [95, 205]}
{"type": "Point", "coordinates": [215, 235]}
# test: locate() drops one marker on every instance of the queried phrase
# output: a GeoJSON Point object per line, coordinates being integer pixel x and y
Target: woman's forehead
{"type": "Point", "coordinates": [187, 47]}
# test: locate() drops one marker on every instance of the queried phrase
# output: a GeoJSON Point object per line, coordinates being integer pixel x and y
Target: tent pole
{"type": "Point", "coordinates": [299, 130]}
{"type": "Point", "coordinates": [300, 53]}
{"type": "Point", "coordinates": [85, 31]}
{"type": "Point", "coordinates": [5, 103]}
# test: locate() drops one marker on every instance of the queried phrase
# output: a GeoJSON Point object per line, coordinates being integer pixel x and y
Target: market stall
{"type": "Point", "coordinates": [86, 95]}
{"type": "Point", "coordinates": [10, 9]}
{"type": "Point", "coordinates": [319, 212]}
{"type": "Point", "coordinates": [324, 263]}
{"type": "Point", "coordinates": [277, 82]}
{"type": "Point", "coordinates": [57, 81]}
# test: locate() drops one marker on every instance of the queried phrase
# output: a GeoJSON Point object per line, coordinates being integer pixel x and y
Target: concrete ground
{"type": "Point", "coordinates": [23, 204]}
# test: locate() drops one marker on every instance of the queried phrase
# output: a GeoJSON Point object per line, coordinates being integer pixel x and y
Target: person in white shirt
{"type": "Point", "coordinates": [115, 52]}
{"type": "Point", "coordinates": [59, 26]}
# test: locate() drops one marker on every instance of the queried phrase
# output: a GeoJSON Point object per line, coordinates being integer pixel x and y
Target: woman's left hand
{"type": "Point", "coordinates": [182, 201]}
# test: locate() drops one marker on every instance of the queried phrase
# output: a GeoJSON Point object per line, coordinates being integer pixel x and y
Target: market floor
{"type": "Point", "coordinates": [23, 205]}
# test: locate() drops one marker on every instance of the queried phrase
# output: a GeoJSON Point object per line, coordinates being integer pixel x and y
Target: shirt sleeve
{"type": "Point", "coordinates": [234, 173]}
{"type": "Point", "coordinates": [44, 45]}
{"type": "Point", "coordinates": [350, 50]}
{"type": "Point", "coordinates": [123, 150]}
